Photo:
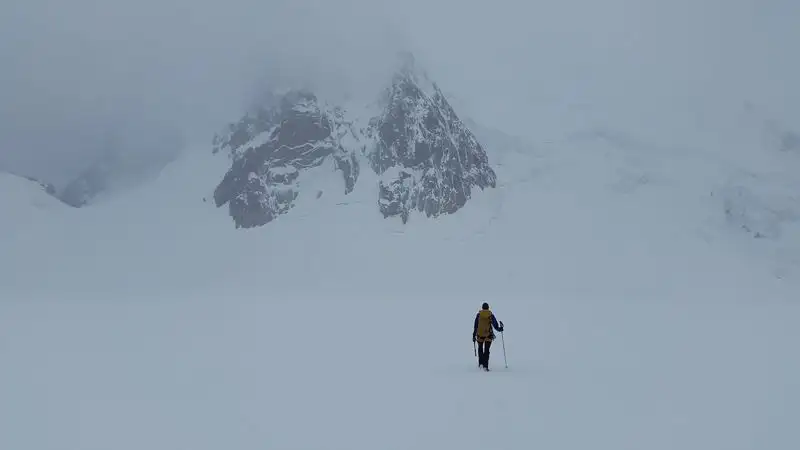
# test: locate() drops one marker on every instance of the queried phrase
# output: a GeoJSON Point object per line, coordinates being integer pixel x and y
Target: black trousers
{"type": "Point", "coordinates": [483, 352]}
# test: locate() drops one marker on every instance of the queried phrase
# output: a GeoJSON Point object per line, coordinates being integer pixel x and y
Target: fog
{"type": "Point", "coordinates": [75, 72]}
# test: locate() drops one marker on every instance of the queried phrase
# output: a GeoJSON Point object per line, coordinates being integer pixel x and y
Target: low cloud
{"type": "Point", "coordinates": [72, 70]}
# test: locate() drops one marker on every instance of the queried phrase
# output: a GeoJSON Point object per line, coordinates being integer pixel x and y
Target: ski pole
{"type": "Point", "coordinates": [503, 339]}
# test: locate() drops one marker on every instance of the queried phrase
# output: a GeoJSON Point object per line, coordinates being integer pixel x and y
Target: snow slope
{"type": "Point", "coordinates": [637, 317]}
{"type": "Point", "coordinates": [26, 204]}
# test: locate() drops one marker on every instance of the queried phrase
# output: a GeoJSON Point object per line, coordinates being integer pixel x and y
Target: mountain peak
{"type": "Point", "coordinates": [409, 72]}
{"type": "Point", "coordinates": [425, 156]}
{"type": "Point", "coordinates": [435, 160]}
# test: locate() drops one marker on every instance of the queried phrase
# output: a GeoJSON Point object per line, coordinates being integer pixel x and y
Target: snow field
{"type": "Point", "coordinates": [633, 318]}
{"type": "Point", "coordinates": [364, 372]}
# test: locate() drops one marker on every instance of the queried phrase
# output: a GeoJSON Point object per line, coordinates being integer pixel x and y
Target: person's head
{"type": "Point", "coordinates": [485, 306]}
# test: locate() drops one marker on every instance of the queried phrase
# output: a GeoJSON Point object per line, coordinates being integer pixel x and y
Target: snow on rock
{"type": "Point", "coordinates": [420, 132]}
{"type": "Point", "coordinates": [272, 148]}
{"type": "Point", "coordinates": [130, 158]}
{"type": "Point", "coordinates": [427, 159]}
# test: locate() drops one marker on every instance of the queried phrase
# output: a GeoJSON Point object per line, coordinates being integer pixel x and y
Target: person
{"type": "Point", "coordinates": [483, 334]}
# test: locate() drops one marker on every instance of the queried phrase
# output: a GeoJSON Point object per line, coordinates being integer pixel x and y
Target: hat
{"type": "Point", "coordinates": [485, 306]}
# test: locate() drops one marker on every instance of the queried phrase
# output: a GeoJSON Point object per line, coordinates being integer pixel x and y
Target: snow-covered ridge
{"type": "Point", "coordinates": [28, 190]}
{"type": "Point", "coordinates": [438, 157]}
{"type": "Point", "coordinates": [425, 156]}
{"type": "Point", "coordinates": [26, 202]}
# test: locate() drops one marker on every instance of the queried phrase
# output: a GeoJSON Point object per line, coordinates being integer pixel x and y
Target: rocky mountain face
{"type": "Point", "coordinates": [271, 148]}
{"type": "Point", "coordinates": [432, 159]}
{"type": "Point", "coordinates": [91, 182]}
{"type": "Point", "coordinates": [48, 188]}
{"type": "Point", "coordinates": [427, 159]}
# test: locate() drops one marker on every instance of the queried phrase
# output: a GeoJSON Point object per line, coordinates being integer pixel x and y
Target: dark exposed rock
{"type": "Point", "coordinates": [427, 158]}
{"type": "Point", "coordinates": [263, 119]}
{"type": "Point", "coordinates": [298, 133]}
{"type": "Point", "coordinates": [348, 164]}
{"type": "Point", "coordinates": [440, 160]}
{"type": "Point", "coordinates": [394, 196]}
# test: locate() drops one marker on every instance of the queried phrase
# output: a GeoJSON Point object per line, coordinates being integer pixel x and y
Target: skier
{"type": "Point", "coordinates": [482, 334]}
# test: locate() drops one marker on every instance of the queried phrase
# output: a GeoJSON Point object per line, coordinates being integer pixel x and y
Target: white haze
{"type": "Point", "coordinates": [639, 315]}
{"type": "Point", "coordinates": [674, 70]}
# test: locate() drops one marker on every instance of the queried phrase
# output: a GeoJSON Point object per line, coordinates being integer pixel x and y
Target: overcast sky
{"type": "Point", "coordinates": [73, 73]}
